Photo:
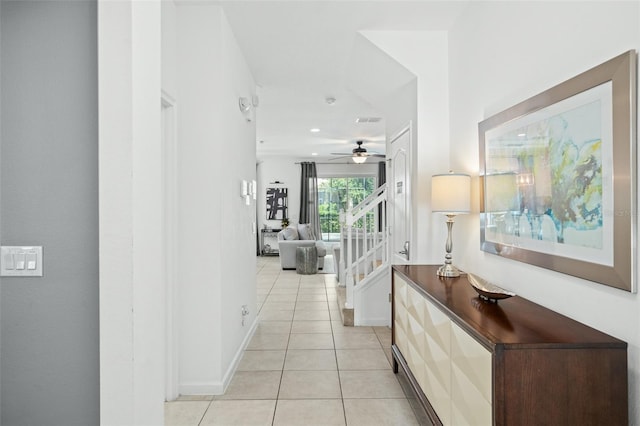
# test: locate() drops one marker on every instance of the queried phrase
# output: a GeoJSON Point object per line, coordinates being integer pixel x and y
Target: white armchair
{"type": "Point", "coordinates": [292, 237]}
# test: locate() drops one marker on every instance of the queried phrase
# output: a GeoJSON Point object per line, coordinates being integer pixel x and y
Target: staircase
{"type": "Point", "coordinates": [364, 262]}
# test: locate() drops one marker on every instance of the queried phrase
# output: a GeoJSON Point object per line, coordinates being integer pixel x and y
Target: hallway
{"type": "Point", "coordinates": [302, 366]}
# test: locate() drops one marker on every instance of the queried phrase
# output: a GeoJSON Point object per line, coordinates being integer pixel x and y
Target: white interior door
{"type": "Point", "coordinates": [400, 191]}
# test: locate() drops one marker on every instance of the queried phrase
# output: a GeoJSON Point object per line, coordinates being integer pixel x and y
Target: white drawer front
{"type": "Point", "coordinates": [437, 384]}
{"type": "Point", "coordinates": [415, 319]}
{"type": "Point", "coordinates": [470, 380]}
{"type": "Point", "coordinates": [415, 304]}
{"type": "Point", "coordinates": [415, 334]}
{"type": "Point", "coordinates": [400, 290]}
{"type": "Point", "coordinates": [400, 314]}
{"type": "Point", "coordinates": [451, 368]}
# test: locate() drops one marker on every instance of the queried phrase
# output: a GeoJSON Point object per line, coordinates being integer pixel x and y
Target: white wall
{"type": "Point", "coordinates": [131, 290]}
{"type": "Point", "coordinates": [211, 129]}
{"type": "Point", "coordinates": [237, 260]}
{"type": "Point", "coordinates": [500, 54]}
{"type": "Point", "coordinates": [216, 261]}
{"type": "Point", "coordinates": [425, 102]}
{"type": "Point", "coordinates": [169, 48]}
{"type": "Point", "coordinates": [198, 259]}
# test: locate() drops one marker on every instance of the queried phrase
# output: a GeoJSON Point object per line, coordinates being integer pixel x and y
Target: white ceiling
{"type": "Point", "coordinates": [301, 52]}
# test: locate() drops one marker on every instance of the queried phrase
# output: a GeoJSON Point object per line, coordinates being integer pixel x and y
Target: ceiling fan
{"type": "Point", "coordinates": [359, 154]}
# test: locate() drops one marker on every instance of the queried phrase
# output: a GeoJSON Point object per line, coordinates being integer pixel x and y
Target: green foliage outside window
{"type": "Point", "coordinates": [336, 194]}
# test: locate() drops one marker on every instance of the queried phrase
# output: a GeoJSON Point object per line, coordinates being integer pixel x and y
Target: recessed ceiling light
{"type": "Point", "coordinates": [314, 130]}
{"type": "Point", "coordinates": [314, 154]}
{"type": "Point", "coordinates": [368, 119]}
{"type": "Point", "coordinates": [522, 135]}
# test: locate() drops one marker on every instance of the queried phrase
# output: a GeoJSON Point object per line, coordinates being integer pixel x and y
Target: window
{"type": "Point", "coordinates": [336, 194]}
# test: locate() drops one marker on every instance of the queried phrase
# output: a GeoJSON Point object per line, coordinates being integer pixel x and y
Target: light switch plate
{"type": "Point", "coordinates": [21, 261]}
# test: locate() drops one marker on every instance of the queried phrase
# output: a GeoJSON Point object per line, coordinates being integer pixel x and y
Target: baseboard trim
{"type": "Point", "coordinates": [373, 322]}
{"type": "Point", "coordinates": [201, 388]}
{"type": "Point", "coordinates": [219, 387]}
{"type": "Point", "coordinates": [236, 359]}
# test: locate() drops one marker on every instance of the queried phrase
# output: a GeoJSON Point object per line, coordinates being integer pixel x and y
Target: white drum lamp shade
{"type": "Point", "coordinates": [451, 193]}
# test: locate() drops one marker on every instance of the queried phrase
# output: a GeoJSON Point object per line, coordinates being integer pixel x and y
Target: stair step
{"type": "Point", "coordinates": [374, 265]}
{"type": "Point", "coordinates": [345, 313]}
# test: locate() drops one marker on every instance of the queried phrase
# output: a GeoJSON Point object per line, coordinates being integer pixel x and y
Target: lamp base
{"type": "Point", "coordinates": [448, 270]}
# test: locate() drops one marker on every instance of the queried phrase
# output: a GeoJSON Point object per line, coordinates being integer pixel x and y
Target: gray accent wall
{"type": "Point", "coordinates": [49, 343]}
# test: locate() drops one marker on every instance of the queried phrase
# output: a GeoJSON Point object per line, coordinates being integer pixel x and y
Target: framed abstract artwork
{"type": "Point", "coordinates": [558, 177]}
{"type": "Point", "coordinates": [276, 203]}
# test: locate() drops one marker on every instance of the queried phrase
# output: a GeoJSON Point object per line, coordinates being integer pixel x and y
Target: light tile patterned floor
{"type": "Point", "coordinates": [303, 367]}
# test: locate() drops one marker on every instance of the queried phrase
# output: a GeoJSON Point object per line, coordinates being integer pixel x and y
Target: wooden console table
{"type": "Point", "coordinates": [508, 363]}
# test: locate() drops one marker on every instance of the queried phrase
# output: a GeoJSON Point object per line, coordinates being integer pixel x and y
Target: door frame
{"type": "Point", "coordinates": [169, 239]}
{"type": "Point", "coordinates": [407, 128]}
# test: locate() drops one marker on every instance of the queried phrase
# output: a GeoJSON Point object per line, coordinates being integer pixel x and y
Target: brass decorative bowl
{"type": "Point", "coordinates": [486, 290]}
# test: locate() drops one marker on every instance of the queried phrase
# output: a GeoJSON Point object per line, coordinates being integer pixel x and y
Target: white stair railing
{"type": "Point", "coordinates": [364, 240]}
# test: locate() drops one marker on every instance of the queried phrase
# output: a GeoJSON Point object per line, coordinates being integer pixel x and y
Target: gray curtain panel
{"type": "Point", "coordinates": [309, 197]}
{"type": "Point", "coordinates": [382, 178]}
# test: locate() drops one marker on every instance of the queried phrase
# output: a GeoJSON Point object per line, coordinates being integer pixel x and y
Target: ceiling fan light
{"type": "Point", "coordinates": [359, 159]}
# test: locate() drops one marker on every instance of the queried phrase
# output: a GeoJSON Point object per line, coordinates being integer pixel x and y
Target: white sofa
{"type": "Point", "coordinates": [294, 236]}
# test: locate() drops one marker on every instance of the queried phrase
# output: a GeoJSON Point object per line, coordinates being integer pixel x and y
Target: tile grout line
{"type": "Point", "coordinates": [335, 354]}
{"type": "Point", "coordinates": [205, 412]}
{"type": "Point", "coordinates": [286, 351]}
{"type": "Point", "coordinates": [275, 405]}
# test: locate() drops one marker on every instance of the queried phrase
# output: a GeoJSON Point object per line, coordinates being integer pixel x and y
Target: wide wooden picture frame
{"type": "Point", "coordinates": [558, 177]}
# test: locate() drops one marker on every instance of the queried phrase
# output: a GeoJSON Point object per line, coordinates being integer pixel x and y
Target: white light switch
{"type": "Point", "coordinates": [21, 261]}
{"type": "Point", "coordinates": [19, 258]}
{"type": "Point", "coordinates": [7, 261]}
{"type": "Point", "coordinates": [32, 260]}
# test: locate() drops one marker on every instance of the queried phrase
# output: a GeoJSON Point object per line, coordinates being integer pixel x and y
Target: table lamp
{"type": "Point", "coordinates": [450, 195]}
